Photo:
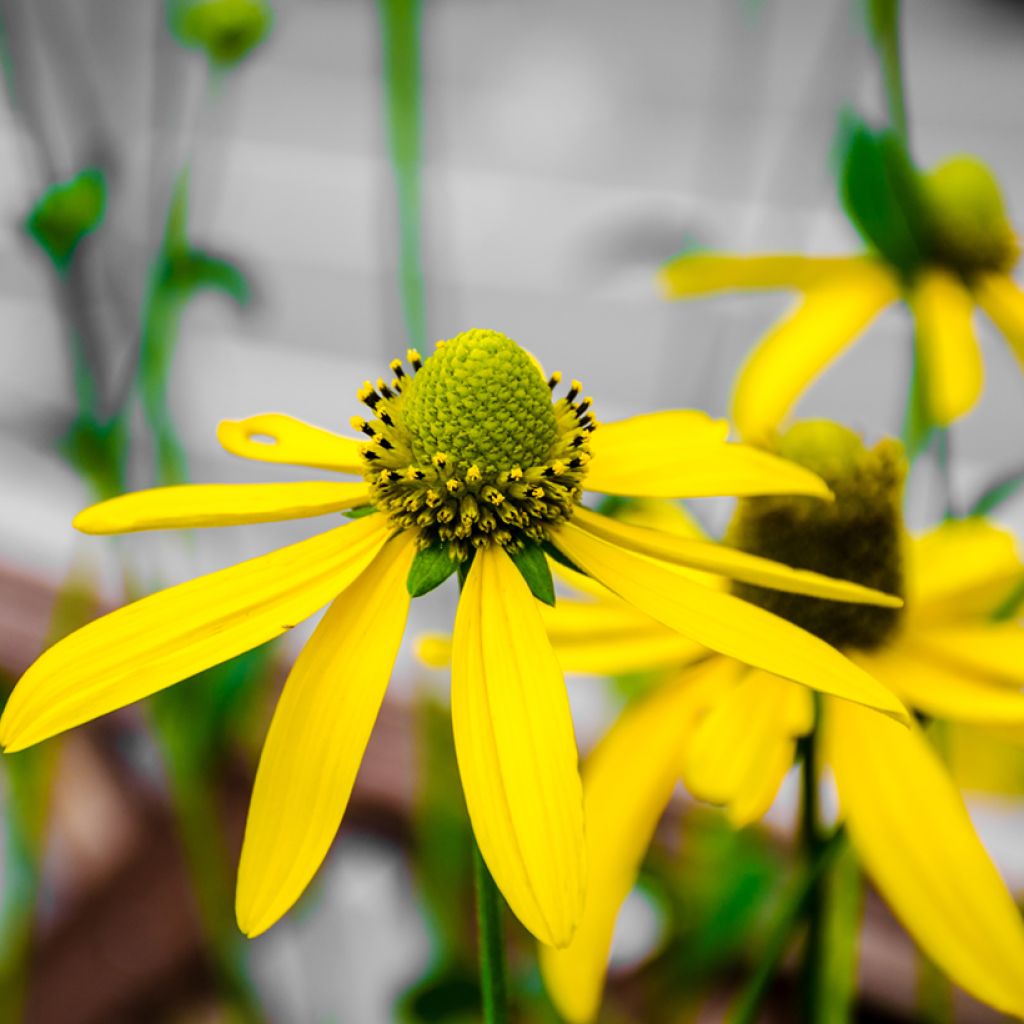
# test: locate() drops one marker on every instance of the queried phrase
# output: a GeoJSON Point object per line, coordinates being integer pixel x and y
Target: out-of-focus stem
{"type": "Point", "coordinates": [813, 967]}
{"type": "Point", "coordinates": [493, 988]}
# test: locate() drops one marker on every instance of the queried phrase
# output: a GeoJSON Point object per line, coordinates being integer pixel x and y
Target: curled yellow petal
{"type": "Point", "coordinates": [516, 750]}
{"type": "Point", "coordinates": [178, 632]}
{"type": "Point", "coordinates": [799, 347]}
{"type": "Point", "coordinates": [1002, 299]}
{"type": "Point", "coordinates": [723, 622]}
{"type": "Point", "coordinates": [685, 454]}
{"type": "Point", "coordinates": [275, 437]}
{"type": "Point", "coordinates": [219, 505]}
{"type": "Point", "coordinates": [317, 737]}
{"type": "Point", "coordinates": [737, 565]}
{"type": "Point", "coordinates": [914, 837]}
{"type": "Point", "coordinates": [950, 357]}
{"type": "Point", "coordinates": [702, 273]}
{"type": "Point", "coordinates": [627, 781]}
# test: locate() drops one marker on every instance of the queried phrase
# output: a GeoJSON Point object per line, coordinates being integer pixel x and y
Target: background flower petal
{"type": "Point", "coordinates": [701, 273]}
{"type": "Point", "coordinates": [275, 437]}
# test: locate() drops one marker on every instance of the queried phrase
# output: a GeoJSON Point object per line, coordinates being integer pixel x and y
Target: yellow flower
{"type": "Point", "coordinates": [468, 456]}
{"type": "Point", "coordinates": [968, 254]}
{"type": "Point", "coordinates": [730, 732]}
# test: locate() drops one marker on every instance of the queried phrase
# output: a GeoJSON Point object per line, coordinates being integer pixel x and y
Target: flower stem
{"type": "Point", "coordinates": [493, 988]}
{"type": "Point", "coordinates": [884, 18]}
{"type": "Point", "coordinates": [812, 972]}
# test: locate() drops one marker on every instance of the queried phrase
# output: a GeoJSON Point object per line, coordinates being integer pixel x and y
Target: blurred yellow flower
{"type": "Point", "coordinates": [468, 463]}
{"type": "Point", "coordinates": [730, 732]}
{"type": "Point", "coordinates": [967, 252]}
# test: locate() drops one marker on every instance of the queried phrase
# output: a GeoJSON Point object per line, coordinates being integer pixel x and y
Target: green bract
{"type": "Point", "coordinates": [66, 213]}
{"type": "Point", "coordinates": [228, 30]}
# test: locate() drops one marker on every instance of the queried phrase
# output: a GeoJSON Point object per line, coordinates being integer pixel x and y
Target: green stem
{"type": "Point", "coordinates": [400, 40]}
{"type": "Point", "coordinates": [493, 987]}
{"type": "Point", "coordinates": [885, 29]}
{"type": "Point", "coordinates": [812, 972]}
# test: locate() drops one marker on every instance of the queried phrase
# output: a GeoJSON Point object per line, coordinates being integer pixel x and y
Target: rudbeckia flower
{"type": "Point", "coordinates": [730, 732]}
{"type": "Point", "coordinates": [945, 247]}
{"type": "Point", "coordinates": [470, 464]}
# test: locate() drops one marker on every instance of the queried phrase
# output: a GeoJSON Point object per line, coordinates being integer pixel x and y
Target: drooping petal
{"type": "Point", "coordinates": [723, 622]}
{"type": "Point", "coordinates": [275, 437]}
{"type": "Point", "coordinates": [219, 505]}
{"type": "Point", "coordinates": [702, 273]}
{"type": "Point", "coordinates": [953, 370]}
{"type": "Point", "coordinates": [912, 832]}
{"type": "Point", "coordinates": [961, 569]}
{"type": "Point", "coordinates": [627, 781]}
{"type": "Point", "coordinates": [516, 749]}
{"type": "Point", "coordinates": [944, 690]}
{"type": "Point", "coordinates": [743, 747]}
{"type": "Point", "coordinates": [685, 454]}
{"type": "Point", "coordinates": [178, 632]}
{"type": "Point", "coordinates": [798, 348]}
{"type": "Point", "coordinates": [738, 565]}
{"type": "Point", "coordinates": [990, 650]}
{"type": "Point", "coordinates": [317, 737]}
{"type": "Point", "coordinates": [1002, 299]}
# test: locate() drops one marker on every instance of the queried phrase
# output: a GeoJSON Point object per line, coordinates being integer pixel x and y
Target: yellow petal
{"type": "Point", "coordinates": [993, 650]}
{"type": "Point", "coordinates": [178, 632]}
{"type": "Point", "coordinates": [659, 514]}
{"type": "Point", "coordinates": [701, 273]}
{"type": "Point", "coordinates": [912, 832]}
{"type": "Point", "coordinates": [516, 749]}
{"type": "Point", "coordinates": [219, 505]}
{"type": "Point", "coordinates": [317, 737]}
{"type": "Point", "coordinates": [723, 622]}
{"type": "Point", "coordinates": [951, 359]}
{"type": "Point", "coordinates": [944, 690]}
{"type": "Point", "coordinates": [961, 569]}
{"type": "Point", "coordinates": [1002, 299]}
{"type": "Point", "coordinates": [741, 750]}
{"type": "Point", "coordinates": [685, 455]}
{"type": "Point", "coordinates": [627, 781]}
{"type": "Point", "coordinates": [737, 565]}
{"type": "Point", "coordinates": [275, 437]}
{"type": "Point", "coordinates": [798, 348]}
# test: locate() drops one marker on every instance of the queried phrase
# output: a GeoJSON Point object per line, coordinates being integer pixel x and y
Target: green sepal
{"type": "Point", "coordinates": [463, 569]}
{"type": "Point", "coordinates": [359, 513]}
{"type": "Point", "coordinates": [67, 212]}
{"type": "Point", "coordinates": [533, 566]}
{"type": "Point", "coordinates": [429, 569]}
{"type": "Point", "coordinates": [552, 552]}
{"type": "Point", "coordinates": [882, 193]}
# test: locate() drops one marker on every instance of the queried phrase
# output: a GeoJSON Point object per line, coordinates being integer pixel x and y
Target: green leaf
{"type": "Point", "coordinates": [359, 513]}
{"type": "Point", "coordinates": [533, 566]}
{"type": "Point", "coordinates": [882, 194]}
{"type": "Point", "coordinates": [190, 270]}
{"type": "Point", "coordinates": [994, 495]}
{"type": "Point", "coordinates": [429, 569]}
{"type": "Point", "coordinates": [67, 212]}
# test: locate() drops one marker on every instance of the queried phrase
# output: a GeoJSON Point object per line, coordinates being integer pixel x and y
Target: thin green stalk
{"type": "Point", "coordinates": [814, 961]}
{"type": "Point", "coordinates": [493, 987]}
{"type": "Point", "coordinates": [884, 17]}
{"type": "Point", "coordinates": [400, 41]}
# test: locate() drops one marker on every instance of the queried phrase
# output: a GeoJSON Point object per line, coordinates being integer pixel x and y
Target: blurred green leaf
{"type": "Point", "coordinates": [226, 30]}
{"type": "Point", "coordinates": [533, 566]}
{"type": "Point", "coordinates": [98, 450]}
{"type": "Point", "coordinates": [882, 194]}
{"type": "Point", "coordinates": [995, 494]}
{"type": "Point", "coordinates": [66, 212]}
{"type": "Point", "coordinates": [843, 905]}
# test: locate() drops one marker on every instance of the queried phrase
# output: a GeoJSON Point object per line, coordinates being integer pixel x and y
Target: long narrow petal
{"type": "Point", "coordinates": [627, 781]}
{"type": "Point", "coordinates": [798, 348]}
{"type": "Point", "coordinates": [516, 749]}
{"type": "Point", "coordinates": [962, 568]}
{"type": "Point", "coordinates": [219, 505]}
{"type": "Point", "coordinates": [724, 622]}
{"type": "Point", "coordinates": [317, 737]}
{"type": "Point", "coordinates": [702, 273]}
{"type": "Point", "coordinates": [953, 371]}
{"type": "Point", "coordinates": [742, 749]}
{"type": "Point", "coordinates": [1002, 299]}
{"type": "Point", "coordinates": [991, 650]}
{"type": "Point", "coordinates": [275, 437]}
{"type": "Point", "coordinates": [944, 690]}
{"type": "Point", "coordinates": [912, 832]}
{"type": "Point", "coordinates": [737, 565]}
{"type": "Point", "coordinates": [178, 632]}
{"type": "Point", "coordinates": [660, 456]}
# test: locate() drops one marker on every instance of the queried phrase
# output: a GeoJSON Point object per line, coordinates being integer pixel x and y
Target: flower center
{"type": "Point", "coordinates": [472, 449]}
{"type": "Point", "coordinates": [967, 222]}
{"type": "Point", "coordinates": [857, 537]}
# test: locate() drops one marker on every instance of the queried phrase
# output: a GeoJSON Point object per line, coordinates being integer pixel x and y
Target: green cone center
{"type": "Point", "coordinates": [858, 537]}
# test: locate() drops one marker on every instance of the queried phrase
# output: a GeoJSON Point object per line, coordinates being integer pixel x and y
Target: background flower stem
{"type": "Point", "coordinates": [813, 966]}
{"type": "Point", "coordinates": [493, 987]}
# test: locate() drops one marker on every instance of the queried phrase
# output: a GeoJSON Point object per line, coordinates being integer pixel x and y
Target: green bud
{"type": "Point", "coordinates": [228, 30]}
{"type": "Point", "coordinates": [66, 213]}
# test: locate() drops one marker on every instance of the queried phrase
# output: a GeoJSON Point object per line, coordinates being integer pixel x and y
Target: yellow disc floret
{"type": "Point", "coordinates": [472, 449]}
{"type": "Point", "coordinates": [857, 537]}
